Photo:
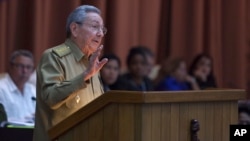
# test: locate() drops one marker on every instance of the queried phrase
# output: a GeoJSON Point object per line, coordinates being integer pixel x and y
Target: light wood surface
{"type": "Point", "coordinates": [151, 116]}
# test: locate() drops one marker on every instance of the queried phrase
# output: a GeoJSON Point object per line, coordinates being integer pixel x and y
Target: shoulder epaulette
{"type": "Point", "coordinates": [61, 50]}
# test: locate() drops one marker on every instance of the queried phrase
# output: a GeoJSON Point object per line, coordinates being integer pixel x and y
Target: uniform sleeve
{"type": "Point", "coordinates": [55, 90]}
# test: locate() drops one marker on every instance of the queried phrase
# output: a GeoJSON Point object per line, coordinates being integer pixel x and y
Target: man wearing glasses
{"type": "Point", "coordinates": [68, 74]}
{"type": "Point", "coordinates": [17, 95]}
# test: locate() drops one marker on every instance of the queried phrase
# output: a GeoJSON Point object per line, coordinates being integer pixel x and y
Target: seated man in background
{"type": "Point", "coordinates": [32, 78]}
{"type": "Point", "coordinates": [17, 95]}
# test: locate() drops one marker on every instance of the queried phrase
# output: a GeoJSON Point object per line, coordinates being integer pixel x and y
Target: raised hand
{"type": "Point", "coordinates": [199, 73]}
{"type": "Point", "coordinates": [94, 64]}
{"type": "Point", "coordinates": [193, 83]}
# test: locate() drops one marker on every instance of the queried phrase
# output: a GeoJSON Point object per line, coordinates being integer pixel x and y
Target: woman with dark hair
{"type": "Point", "coordinates": [135, 79]}
{"type": "Point", "coordinates": [202, 69]}
{"type": "Point", "coordinates": [110, 72]}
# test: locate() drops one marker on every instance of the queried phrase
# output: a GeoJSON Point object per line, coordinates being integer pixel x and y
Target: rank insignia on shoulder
{"type": "Point", "coordinates": [62, 51]}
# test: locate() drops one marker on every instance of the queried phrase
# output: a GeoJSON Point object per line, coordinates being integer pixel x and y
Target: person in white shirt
{"type": "Point", "coordinates": [32, 78]}
{"type": "Point", "coordinates": [16, 94]}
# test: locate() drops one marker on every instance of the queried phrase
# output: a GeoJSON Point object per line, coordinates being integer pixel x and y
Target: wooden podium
{"type": "Point", "coordinates": [152, 116]}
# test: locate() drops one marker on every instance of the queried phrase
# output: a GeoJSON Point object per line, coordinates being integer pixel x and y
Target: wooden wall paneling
{"type": "Point", "coordinates": [226, 109]}
{"type": "Point", "coordinates": [156, 122]}
{"type": "Point", "coordinates": [165, 122]}
{"type": "Point", "coordinates": [234, 112]}
{"type": "Point", "coordinates": [184, 122]}
{"type": "Point", "coordinates": [138, 122]}
{"type": "Point", "coordinates": [81, 132]}
{"type": "Point", "coordinates": [174, 123]}
{"type": "Point", "coordinates": [209, 124]}
{"type": "Point", "coordinates": [146, 122]}
{"type": "Point", "coordinates": [218, 111]}
{"type": "Point", "coordinates": [201, 118]}
{"type": "Point", "coordinates": [96, 126]}
{"type": "Point", "coordinates": [126, 122]}
{"type": "Point", "coordinates": [110, 121]}
{"type": "Point", "coordinates": [162, 118]}
{"type": "Point", "coordinates": [193, 114]}
{"type": "Point", "coordinates": [67, 137]}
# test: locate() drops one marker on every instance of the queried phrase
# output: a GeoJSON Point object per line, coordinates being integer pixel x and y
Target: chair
{"type": "Point", "coordinates": [3, 115]}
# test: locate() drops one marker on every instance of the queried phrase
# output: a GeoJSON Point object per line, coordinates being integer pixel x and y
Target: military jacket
{"type": "Point", "coordinates": [61, 89]}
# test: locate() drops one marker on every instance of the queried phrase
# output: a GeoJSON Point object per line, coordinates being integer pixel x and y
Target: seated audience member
{"type": "Point", "coordinates": [173, 76]}
{"type": "Point", "coordinates": [2, 75]}
{"type": "Point", "coordinates": [202, 69]}
{"type": "Point", "coordinates": [32, 78]}
{"type": "Point", "coordinates": [244, 114]}
{"type": "Point", "coordinates": [110, 72]}
{"type": "Point", "coordinates": [16, 94]}
{"type": "Point", "coordinates": [150, 66]}
{"type": "Point", "coordinates": [135, 79]}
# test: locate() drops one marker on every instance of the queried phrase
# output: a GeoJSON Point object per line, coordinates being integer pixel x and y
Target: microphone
{"type": "Point", "coordinates": [33, 98]}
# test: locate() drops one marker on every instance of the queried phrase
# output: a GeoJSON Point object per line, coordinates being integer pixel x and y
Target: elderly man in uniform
{"type": "Point", "coordinates": [68, 74]}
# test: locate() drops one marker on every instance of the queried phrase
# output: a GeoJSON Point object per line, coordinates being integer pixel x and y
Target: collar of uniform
{"type": "Point", "coordinates": [75, 49]}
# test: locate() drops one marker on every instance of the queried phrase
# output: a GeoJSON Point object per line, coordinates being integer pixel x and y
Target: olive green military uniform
{"type": "Point", "coordinates": [61, 89]}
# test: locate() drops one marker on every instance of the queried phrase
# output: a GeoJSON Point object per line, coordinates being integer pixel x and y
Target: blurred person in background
{"type": "Point", "coordinates": [135, 79]}
{"type": "Point", "coordinates": [150, 58]}
{"type": "Point", "coordinates": [32, 78]}
{"type": "Point", "coordinates": [202, 70]}
{"type": "Point", "coordinates": [244, 113]}
{"type": "Point", "coordinates": [17, 95]}
{"type": "Point", "coordinates": [110, 73]}
{"type": "Point", "coordinates": [173, 76]}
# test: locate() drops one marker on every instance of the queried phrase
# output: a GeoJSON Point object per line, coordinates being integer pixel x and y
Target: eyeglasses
{"type": "Point", "coordinates": [95, 27]}
{"type": "Point", "coordinates": [22, 66]}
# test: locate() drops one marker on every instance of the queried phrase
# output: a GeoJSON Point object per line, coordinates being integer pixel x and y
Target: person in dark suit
{"type": "Point", "coordinates": [135, 79]}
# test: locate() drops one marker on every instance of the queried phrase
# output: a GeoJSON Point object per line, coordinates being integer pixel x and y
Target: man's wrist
{"type": "Point", "coordinates": [86, 76]}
